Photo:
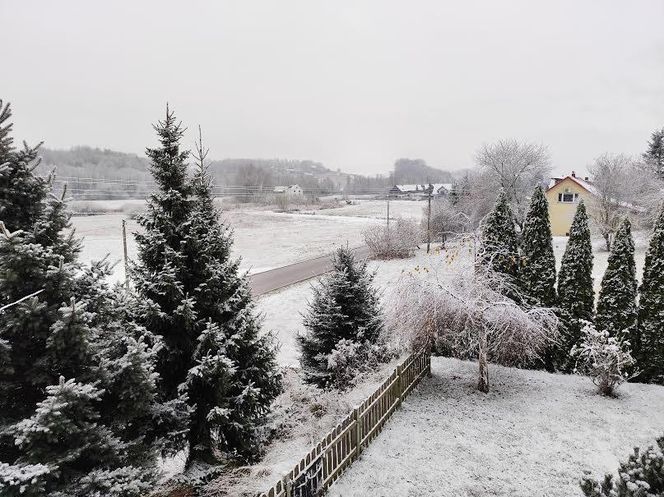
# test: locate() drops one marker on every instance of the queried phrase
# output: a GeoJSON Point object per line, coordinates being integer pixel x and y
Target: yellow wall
{"type": "Point", "coordinates": [561, 213]}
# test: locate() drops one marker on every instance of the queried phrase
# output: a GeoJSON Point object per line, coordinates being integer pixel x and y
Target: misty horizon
{"type": "Point", "coordinates": [354, 87]}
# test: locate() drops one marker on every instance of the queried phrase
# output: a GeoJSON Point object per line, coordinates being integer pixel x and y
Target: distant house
{"type": "Point", "coordinates": [289, 191]}
{"type": "Point", "coordinates": [416, 191]}
{"type": "Point", "coordinates": [564, 194]}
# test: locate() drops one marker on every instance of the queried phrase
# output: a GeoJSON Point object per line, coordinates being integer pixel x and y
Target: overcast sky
{"type": "Point", "coordinates": [354, 84]}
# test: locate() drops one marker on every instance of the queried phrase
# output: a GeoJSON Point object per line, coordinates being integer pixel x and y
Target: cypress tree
{"type": "Point", "coordinates": [538, 264]}
{"type": "Point", "coordinates": [576, 298]}
{"type": "Point", "coordinates": [344, 307]}
{"type": "Point", "coordinates": [75, 435]}
{"type": "Point", "coordinates": [500, 252]}
{"type": "Point", "coordinates": [616, 305]}
{"type": "Point", "coordinates": [649, 340]}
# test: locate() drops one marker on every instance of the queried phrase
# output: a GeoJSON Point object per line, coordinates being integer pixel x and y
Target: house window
{"type": "Point", "coordinates": [568, 197]}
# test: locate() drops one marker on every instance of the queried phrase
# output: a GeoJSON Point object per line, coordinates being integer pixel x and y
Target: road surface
{"type": "Point", "coordinates": [271, 280]}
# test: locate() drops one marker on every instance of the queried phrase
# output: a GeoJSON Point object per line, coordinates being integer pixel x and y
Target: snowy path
{"type": "Point", "coordinates": [533, 435]}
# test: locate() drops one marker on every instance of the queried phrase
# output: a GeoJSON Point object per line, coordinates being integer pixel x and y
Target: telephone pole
{"type": "Point", "coordinates": [124, 248]}
{"type": "Point", "coordinates": [429, 217]}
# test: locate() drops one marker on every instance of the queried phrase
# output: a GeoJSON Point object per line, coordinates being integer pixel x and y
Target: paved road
{"type": "Point", "coordinates": [271, 280]}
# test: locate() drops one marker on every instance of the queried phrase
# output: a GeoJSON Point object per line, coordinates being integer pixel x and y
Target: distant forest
{"type": "Point", "coordinates": [92, 173]}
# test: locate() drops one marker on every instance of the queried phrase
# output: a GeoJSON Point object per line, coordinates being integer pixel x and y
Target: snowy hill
{"type": "Point", "coordinates": [533, 435]}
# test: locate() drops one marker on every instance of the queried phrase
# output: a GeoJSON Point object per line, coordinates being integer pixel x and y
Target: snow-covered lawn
{"type": "Point", "coordinates": [533, 435]}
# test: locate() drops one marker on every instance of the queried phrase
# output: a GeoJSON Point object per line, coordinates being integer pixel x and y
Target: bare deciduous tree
{"type": "Point", "coordinates": [517, 167]}
{"type": "Point", "coordinates": [614, 188]}
{"type": "Point", "coordinates": [396, 241]}
{"type": "Point", "coordinates": [470, 317]}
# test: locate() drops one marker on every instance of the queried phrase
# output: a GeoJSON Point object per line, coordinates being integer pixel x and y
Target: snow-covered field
{"type": "Point", "coordinates": [264, 239]}
{"type": "Point", "coordinates": [533, 435]}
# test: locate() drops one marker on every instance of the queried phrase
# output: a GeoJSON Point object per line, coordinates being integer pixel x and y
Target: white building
{"type": "Point", "coordinates": [421, 190]}
{"type": "Point", "coordinates": [289, 191]}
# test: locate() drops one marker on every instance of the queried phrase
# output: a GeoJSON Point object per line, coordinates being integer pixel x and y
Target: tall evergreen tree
{"type": "Point", "coordinates": [70, 325]}
{"type": "Point", "coordinates": [234, 375]}
{"type": "Point", "coordinates": [500, 251]}
{"type": "Point", "coordinates": [616, 305]}
{"type": "Point", "coordinates": [344, 307]}
{"type": "Point", "coordinates": [194, 297]}
{"type": "Point", "coordinates": [649, 342]}
{"type": "Point", "coordinates": [654, 156]}
{"type": "Point", "coordinates": [576, 297]}
{"type": "Point", "coordinates": [538, 264]}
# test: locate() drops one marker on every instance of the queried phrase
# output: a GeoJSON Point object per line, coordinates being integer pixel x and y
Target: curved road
{"type": "Point", "coordinates": [276, 278]}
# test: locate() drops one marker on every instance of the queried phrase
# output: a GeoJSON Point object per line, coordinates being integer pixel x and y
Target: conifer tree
{"type": "Point", "coordinates": [344, 307]}
{"type": "Point", "coordinates": [616, 305]}
{"type": "Point", "coordinates": [654, 156]}
{"type": "Point", "coordinates": [500, 252]}
{"type": "Point", "coordinates": [234, 376]}
{"type": "Point", "coordinates": [538, 264]}
{"type": "Point", "coordinates": [649, 340]}
{"type": "Point", "coordinates": [576, 298]}
{"type": "Point", "coordinates": [61, 318]}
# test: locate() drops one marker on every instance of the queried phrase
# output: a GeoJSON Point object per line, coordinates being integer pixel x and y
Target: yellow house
{"type": "Point", "coordinates": [563, 196]}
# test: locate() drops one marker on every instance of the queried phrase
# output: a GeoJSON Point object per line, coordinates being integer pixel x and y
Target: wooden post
{"type": "Point", "coordinates": [124, 248]}
{"type": "Point", "coordinates": [399, 384]}
{"type": "Point", "coordinates": [358, 431]}
{"type": "Point", "coordinates": [287, 484]}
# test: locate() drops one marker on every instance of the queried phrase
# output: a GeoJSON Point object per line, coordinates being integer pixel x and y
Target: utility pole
{"type": "Point", "coordinates": [124, 248]}
{"type": "Point", "coordinates": [388, 212]}
{"type": "Point", "coordinates": [429, 217]}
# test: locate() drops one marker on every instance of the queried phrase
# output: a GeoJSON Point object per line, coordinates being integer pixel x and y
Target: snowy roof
{"type": "Point", "coordinates": [423, 187]}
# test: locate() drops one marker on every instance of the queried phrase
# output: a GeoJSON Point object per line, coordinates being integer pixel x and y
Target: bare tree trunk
{"type": "Point", "coordinates": [607, 240]}
{"type": "Point", "coordinates": [483, 384]}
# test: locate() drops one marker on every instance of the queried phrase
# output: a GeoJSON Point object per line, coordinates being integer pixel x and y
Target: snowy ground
{"type": "Point", "coordinates": [264, 239]}
{"type": "Point", "coordinates": [533, 434]}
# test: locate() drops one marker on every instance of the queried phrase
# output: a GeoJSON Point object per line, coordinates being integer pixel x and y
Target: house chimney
{"type": "Point", "coordinates": [573, 174]}
{"type": "Point", "coordinates": [586, 178]}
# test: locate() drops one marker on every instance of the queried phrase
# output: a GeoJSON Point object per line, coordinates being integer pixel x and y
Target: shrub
{"type": "Point", "coordinates": [641, 476]}
{"type": "Point", "coordinates": [602, 357]}
{"type": "Point", "coordinates": [398, 241]}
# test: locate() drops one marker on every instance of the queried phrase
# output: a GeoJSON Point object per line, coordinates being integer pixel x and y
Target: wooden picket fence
{"type": "Point", "coordinates": [314, 474]}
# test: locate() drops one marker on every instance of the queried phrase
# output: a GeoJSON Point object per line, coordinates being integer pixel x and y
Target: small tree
{"type": "Point", "coordinates": [345, 306]}
{"type": "Point", "coordinates": [641, 476]}
{"type": "Point", "coordinates": [576, 297]}
{"type": "Point", "coordinates": [604, 358]}
{"type": "Point", "coordinates": [471, 318]}
{"type": "Point", "coordinates": [616, 306]}
{"type": "Point", "coordinates": [500, 252]}
{"type": "Point", "coordinates": [649, 338]}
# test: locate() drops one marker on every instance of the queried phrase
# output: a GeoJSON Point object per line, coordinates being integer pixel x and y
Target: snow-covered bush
{"type": "Point", "coordinates": [641, 476]}
{"type": "Point", "coordinates": [602, 357]}
{"type": "Point", "coordinates": [469, 316]}
{"type": "Point", "coordinates": [396, 241]}
{"type": "Point", "coordinates": [348, 359]}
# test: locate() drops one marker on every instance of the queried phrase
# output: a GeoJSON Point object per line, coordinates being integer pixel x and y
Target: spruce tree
{"type": "Point", "coordinates": [61, 318]}
{"type": "Point", "coordinates": [344, 307]}
{"type": "Point", "coordinates": [234, 376]}
{"type": "Point", "coordinates": [500, 252]}
{"type": "Point", "coordinates": [576, 298]}
{"type": "Point", "coordinates": [654, 156]}
{"type": "Point", "coordinates": [649, 340]}
{"type": "Point", "coordinates": [163, 273]}
{"type": "Point", "coordinates": [538, 264]}
{"type": "Point", "coordinates": [616, 305]}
